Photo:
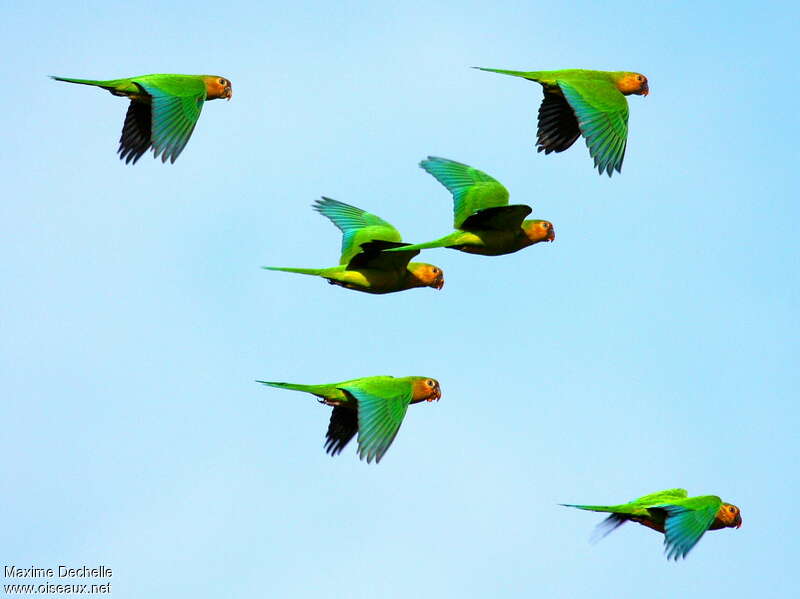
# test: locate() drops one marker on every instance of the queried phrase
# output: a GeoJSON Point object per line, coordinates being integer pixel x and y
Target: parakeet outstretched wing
{"type": "Point", "coordinates": [602, 114]}
{"type": "Point", "coordinates": [174, 114]}
{"type": "Point", "coordinates": [472, 190]}
{"type": "Point", "coordinates": [357, 226]}
{"type": "Point", "coordinates": [381, 409]}
{"type": "Point", "coordinates": [687, 522]}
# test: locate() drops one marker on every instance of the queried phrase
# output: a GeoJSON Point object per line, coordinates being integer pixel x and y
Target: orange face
{"type": "Point", "coordinates": [428, 275]}
{"type": "Point", "coordinates": [217, 87]}
{"type": "Point", "coordinates": [426, 390]}
{"type": "Point", "coordinates": [539, 230]}
{"type": "Point", "coordinates": [633, 83]}
{"type": "Point", "coordinates": [729, 516]}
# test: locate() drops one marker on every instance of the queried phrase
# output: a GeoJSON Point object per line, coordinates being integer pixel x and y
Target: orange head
{"type": "Point", "coordinates": [633, 83]}
{"type": "Point", "coordinates": [217, 87]}
{"type": "Point", "coordinates": [729, 516]}
{"type": "Point", "coordinates": [426, 275]}
{"type": "Point", "coordinates": [538, 230]}
{"type": "Point", "coordinates": [425, 389]}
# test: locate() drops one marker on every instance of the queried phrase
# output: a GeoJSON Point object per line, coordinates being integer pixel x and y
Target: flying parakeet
{"type": "Point", "coordinates": [373, 407]}
{"type": "Point", "coordinates": [681, 518]}
{"type": "Point", "coordinates": [364, 264]}
{"type": "Point", "coordinates": [589, 103]}
{"type": "Point", "coordinates": [485, 224]}
{"type": "Point", "coordinates": [163, 111]}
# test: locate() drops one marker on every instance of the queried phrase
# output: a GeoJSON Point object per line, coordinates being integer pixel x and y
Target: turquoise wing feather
{"type": "Point", "coordinates": [687, 522]}
{"type": "Point", "coordinates": [381, 409]}
{"type": "Point", "coordinates": [357, 226]}
{"type": "Point", "coordinates": [602, 113]}
{"type": "Point", "coordinates": [472, 190]}
{"type": "Point", "coordinates": [174, 116]}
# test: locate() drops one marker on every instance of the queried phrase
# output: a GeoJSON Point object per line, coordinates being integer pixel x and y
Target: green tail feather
{"type": "Point", "coordinates": [526, 75]}
{"type": "Point", "coordinates": [302, 271]}
{"type": "Point", "coordinates": [442, 242]}
{"type": "Point", "coordinates": [105, 84]}
{"type": "Point", "coordinates": [291, 386]}
{"type": "Point", "coordinates": [592, 508]}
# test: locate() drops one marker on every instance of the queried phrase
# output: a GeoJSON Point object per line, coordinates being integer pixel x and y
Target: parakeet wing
{"type": "Point", "coordinates": [472, 189]}
{"type": "Point", "coordinates": [342, 427]}
{"type": "Point", "coordinates": [500, 218]}
{"type": "Point", "coordinates": [558, 127]}
{"type": "Point", "coordinates": [380, 413]}
{"type": "Point", "coordinates": [373, 256]}
{"type": "Point", "coordinates": [602, 113]}
{"type": "Point", "coordinates": [607, 526]}
{"type": "Point", "coordinates": [135, 138]}
{"type": "Point", "coordinates": [357, 226]}
{"type": "Point", "coordinates": [687, 522]}
{"type": "Point", "coordinates": [174, 115]}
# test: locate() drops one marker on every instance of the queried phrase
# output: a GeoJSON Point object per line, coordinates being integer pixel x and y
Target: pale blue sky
{"type": "Point", "coordinates": [653, 345]}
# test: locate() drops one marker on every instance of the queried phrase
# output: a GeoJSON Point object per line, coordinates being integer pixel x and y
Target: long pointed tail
{"type": "Point", "coordinates": [291, 386]}
{"type": "Point", "coordinates": [302, 271]}
{"type": "Point", "coordinates": [591, 508]}
{"type": "Point", "coordinates": [524, 74]}
{"type": "Point", "coordinates": [442, 242]}
{"type": "Point", "coordinates": [104, 84]}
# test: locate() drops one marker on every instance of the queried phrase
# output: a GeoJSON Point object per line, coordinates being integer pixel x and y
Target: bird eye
{"type": "Point", "coordinates": [638, 77]}
{"type": "Point", "coordinates": [429, 382]}
{"type": "Point", "coordinates": [222, 81]}
{"type": "Point", "coordinates": [732, 510]}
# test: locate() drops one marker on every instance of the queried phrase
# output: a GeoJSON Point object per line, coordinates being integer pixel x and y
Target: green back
{"type": "Point", "coordinates": [550, 78]}
{"type": "Point", "coordinates": [357, 226]}
{"type": "Point", "coordinates": [472, 190]}
{"type": "Point", "coordinates": [668, 495]}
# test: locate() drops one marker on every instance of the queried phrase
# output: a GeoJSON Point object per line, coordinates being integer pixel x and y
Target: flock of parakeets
{"type": "Point", "coordinates": [162, 115]}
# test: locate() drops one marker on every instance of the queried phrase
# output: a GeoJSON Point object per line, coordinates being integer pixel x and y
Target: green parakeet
{"type": "Point", "coordinates": [589, 103]}
{"type": "Point", "coordinates": [373, 407]}
{"type": "Point", "coordinates": [364, 264]}
{"type": "Point", "coordinates": [485, 224]}
{"type": "Point", "coordinates": [681, 518]}
{"type": "Point", "coordinates": [163, 111]}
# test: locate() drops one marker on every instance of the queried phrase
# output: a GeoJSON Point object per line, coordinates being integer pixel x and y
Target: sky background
{"type": "Point", "coordinates": [653, 345]}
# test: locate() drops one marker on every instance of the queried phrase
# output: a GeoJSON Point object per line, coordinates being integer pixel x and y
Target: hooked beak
{"type": "Point", "coordinates": [437, 395]}
{"type": "Point", "coordinates": [551, 236]}
{"type": "Point", "coordinates": [228, 93]}
{"type": "Point", "coordinates": [646, 90]}
{"type": "Point", "coordinates": [440, 283]}
{"type": "Point", "coordinates": [738, 522]}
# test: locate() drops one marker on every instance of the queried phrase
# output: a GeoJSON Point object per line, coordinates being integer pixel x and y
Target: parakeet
{"type": "Point", "coordinates": [373, 407]}
{"type": "Point", "coordinates": [364, 264]}
{"type": "Point", "coordinates": [589, 103]}
{"type": "Point", "coordinates": [485, 224]}
{"type": "Point", "coordinates": [681, 518]}
{"type": "Point", "coordinates": [163, 111]}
